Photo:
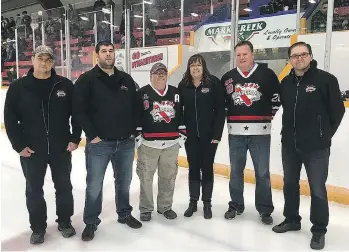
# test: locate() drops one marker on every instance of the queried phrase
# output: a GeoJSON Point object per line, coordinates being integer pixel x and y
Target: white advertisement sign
{"type": "Point", "coordinates": [268, 32]}
{"type": "Point", "coordinates": [142, 59]}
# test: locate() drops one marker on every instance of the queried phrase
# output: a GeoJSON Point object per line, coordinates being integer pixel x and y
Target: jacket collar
{"type": "Point", "coordinates": [56, 78]}
{"type": "Point", "coordinates": [313, 68]}
{"type": "Point", "coordinates": [100, 73]}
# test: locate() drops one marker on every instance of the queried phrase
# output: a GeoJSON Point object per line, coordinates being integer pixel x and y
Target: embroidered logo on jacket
{"type": "Point", "coordinates": [163, 111]}
{"type": "Point", "coordinates": [61, 93]}
{"type": "Point", "coordinates": [246, 94]}
{"type": "Point", "coordinates": [310, 89]}
{"type": "Point", "coordinates": [205, 90]}
{"type": "Point", "coordinates": [124, 88]}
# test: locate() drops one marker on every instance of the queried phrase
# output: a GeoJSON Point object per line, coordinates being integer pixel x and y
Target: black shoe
{"type": "Point", "coordinates": [67, 229]}
{"type": "Point", "coordinates": [317, 241]}
{"type": "Point", "coordinates": [207, 211]}
{"type": "Point", "coordinates": [193, 207]}
{"type": "Point", "coordinates": [37, 237]}
{"type": "Point", "coordinates": [286, 226]}
{"type": "Point", "coordinates": [169, 214]}
{"type": "Point", "coordinates": [230, 214]}
{"type": "Point", "coordinates": [145, 216]}
{"type": "Point", "coordinates": [89, 232]}
{"type": "Point", "coordinates": [266, 219]}
{"type": "Point", "coordinates": [130, 221]}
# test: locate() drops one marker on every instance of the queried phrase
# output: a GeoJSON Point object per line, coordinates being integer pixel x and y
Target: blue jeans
{"type": "Point", "coordinates": [316, 165]}
{"type": "Point", "coordinates": [98, 156]}
{"type": "Point", "coordinates": [259, 147]}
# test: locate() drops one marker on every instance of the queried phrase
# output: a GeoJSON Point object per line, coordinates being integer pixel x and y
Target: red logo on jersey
{"type": "Point", "coordinates": [227, 82]}
{"type": "Point", "coordinates": [146, 104]}
{"type": "Point", "coordinates": [246, 94]}
{"type": "Point", "coordinates": [163, 111]}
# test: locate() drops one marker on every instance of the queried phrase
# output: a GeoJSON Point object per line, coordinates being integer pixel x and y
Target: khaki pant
{"type": "Point", "coordinates": [149, 159]}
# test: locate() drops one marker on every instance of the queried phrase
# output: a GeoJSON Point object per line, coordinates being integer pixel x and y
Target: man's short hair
{"type": "Point", "coordinates": [244, 43]}
{"type": "Point", "coordinates": [301, 43]}
{"type": "Point", "coordinates": [103, 43]}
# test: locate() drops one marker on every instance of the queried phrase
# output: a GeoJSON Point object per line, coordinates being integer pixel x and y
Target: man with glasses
{"type": "Point", "coordinates": [312, 112]}
{"type": "Point", "coordinates": [160, 121]}
{"type": "Point", "coordinates": [38, 108]}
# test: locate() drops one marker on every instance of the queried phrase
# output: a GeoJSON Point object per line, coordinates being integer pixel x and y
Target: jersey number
{"type": "Point", "coordinates": [276, 98]}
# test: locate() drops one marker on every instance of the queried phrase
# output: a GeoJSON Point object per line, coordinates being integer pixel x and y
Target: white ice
{"type": "Point", "coordinates": [245, 232]}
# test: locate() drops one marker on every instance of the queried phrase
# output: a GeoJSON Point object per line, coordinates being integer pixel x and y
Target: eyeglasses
{"type": "Point", "coordinates": [297, 56]}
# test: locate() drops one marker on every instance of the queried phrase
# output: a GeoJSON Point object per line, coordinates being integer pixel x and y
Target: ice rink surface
{"type": "Point", "coordinates": [244, 233]}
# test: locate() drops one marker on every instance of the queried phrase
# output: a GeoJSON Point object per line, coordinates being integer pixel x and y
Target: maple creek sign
{"type": "Point", "coordinates": [269, 32]}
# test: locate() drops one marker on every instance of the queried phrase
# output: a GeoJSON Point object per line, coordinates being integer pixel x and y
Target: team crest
{"type": "Point", "coordinates": [163, 111]}
{"type": "Point", "coordinates": [310, 89]}
{"type": "Point", "coordinates": [146, 104]}
{"type": "Point", "coordinates": [246, 94]}
{"type": "Point", "coordinates": [61, 93]}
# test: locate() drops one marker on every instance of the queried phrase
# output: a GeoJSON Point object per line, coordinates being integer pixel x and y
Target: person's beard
{"type": "Point", "coordinates": [105, 65]}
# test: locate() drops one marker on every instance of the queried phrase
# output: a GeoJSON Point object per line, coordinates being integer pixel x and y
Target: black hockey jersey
{"type": "Point", "coordinates": [161, 117]}
{"type": "Point", "coordinates": [252, 100]}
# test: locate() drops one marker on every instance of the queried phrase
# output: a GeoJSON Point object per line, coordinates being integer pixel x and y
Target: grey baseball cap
{"type": "Point", "coordinates": [43, 50]}
{"type": "Point", "coordinates": [158, 66]}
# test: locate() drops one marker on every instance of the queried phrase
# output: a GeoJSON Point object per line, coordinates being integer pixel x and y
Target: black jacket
{"type": "Point", "coordinates": [312, 109]}
{"type": "Point", "coordinates": [204, 108]}
{"type": "Point", "coordinates": [25, 120]}
{"type": "Point", "coordinates": [105, 106]}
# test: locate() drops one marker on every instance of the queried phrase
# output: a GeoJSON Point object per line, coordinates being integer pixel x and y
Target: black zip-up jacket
{"type": "Point", "coordinates": [106, 106]}
{"type": "Point", "coordinates": [204, 108]}
{"type": "Point", "coordinates": [29, 124]}
{"type": "Point", "coordinates": [312, 109]}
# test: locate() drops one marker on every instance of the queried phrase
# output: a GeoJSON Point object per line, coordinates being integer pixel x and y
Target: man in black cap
{"type": "Point", "coordinates": [38, 108]}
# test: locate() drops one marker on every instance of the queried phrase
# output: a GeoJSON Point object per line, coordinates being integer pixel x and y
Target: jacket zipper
{"type": "Point", "coordinates": [196, 115]}
{"type": "Point", "coordinates": [294, 114]}
{"type": "Point", "coordinates": [47, 127]}
{"type": "Point", "coordinates": [320, 127]}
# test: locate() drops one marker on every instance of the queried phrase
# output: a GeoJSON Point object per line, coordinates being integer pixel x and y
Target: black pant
{"type": "Point", "coordinates": [200, 155]}
{"type": "Point", "coordinates": [316, 165]}
{"type": "Point", "coordinates": [34, 169]}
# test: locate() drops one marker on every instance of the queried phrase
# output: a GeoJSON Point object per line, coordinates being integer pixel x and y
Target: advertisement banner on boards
{"type": "Point", "coordinates": [142, 59]}
{"type": "Point", "coordinates": [268, 32]}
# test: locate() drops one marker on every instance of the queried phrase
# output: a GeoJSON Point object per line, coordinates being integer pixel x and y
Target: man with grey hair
{"type": "Point", "coordinates": [38, 109]}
